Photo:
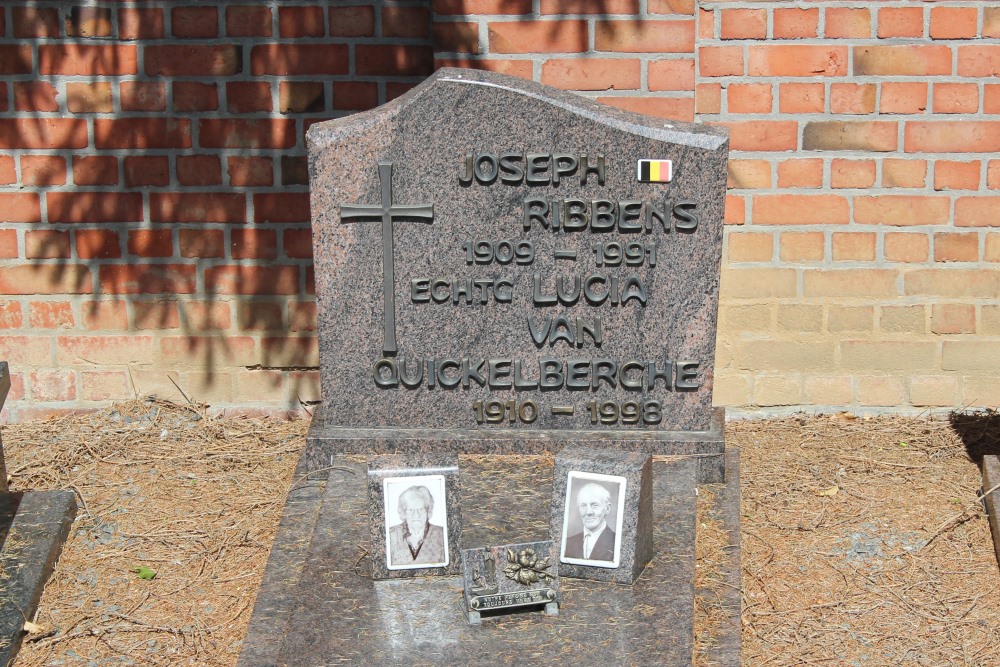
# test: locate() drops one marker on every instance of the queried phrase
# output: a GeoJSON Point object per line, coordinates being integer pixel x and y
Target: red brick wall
{"type": "Point", "coordinates": [154, 233]}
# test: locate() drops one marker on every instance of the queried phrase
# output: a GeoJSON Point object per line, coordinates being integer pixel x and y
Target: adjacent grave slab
{"type": "Point", "coordinates": [991, 478]}
{"type": "Point", "coordinates": [319, 605]}
{"type": "Point", "coordinates": [495, 271]}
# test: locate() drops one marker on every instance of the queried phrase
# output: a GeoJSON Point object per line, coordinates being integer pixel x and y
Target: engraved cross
{"type": "Point", "coordinates": [387, 212]}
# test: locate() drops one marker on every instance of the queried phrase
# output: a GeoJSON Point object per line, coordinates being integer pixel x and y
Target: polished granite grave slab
{"type": "Point", "coordinates": [319, 606]}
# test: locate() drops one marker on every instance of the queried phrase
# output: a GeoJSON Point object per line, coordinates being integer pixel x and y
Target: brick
{"type": "Point", "coordinates": [901, 210]}
{"type": "Point", "coordinates": [874, 136]}
{"type": "Point", "coordinates": [281, 207]}
{"type": "Point", "coordinates": [787, 209]}
{"type": "Point", "coordinates": [352, 21]}
{"type": "Point", "coordinates": [852, 173]}
{"type": "Point", "coordinates": [950, 175]}
{"type": "Point", "coordinates": [8, 244]}
{"type": "Point", "coordinates": [705, 24]}
{"type": "Point", "coordinates": [902, 247]}
{"type": "Point", "coordinates": [199, 170]}
{"type": "Point", "coordinates": [8, 175]}
{"type": "Point", "coordinates": [977, 212]}
{"type": "Point", "coordinates": [735, 210]}
{"type": "Point", "coordinates": [991, 98]}
{"type": "Point", "coordinates": [956, 98]}
{"type": "Point", "coordinates": [993, 175]}
{"type": "Point", "coordinates": [158, 315]}
{"type": "Point", "coordinates": [671, 6]}
{"type": "Point", "coordinates": [721, 61]}
{"type": "Point", "coordinates": [46, 244]}
{"type": "Point", "coordinates": [97, 244]}
{"type": "Point", "coordinates": [258, 280]}
{"type": "Point", "coordinates": [201, 207]}
{"type": "Point", "coordinates": [89, 97]}
{"type": "Point", "coordinates": [254, 244]}
{"type": "Point", "coordinates": [54, 385]}
{"type": "Point", "coordinates": [749, 98]}
{"type": "Point", "coordinates": [151, 242]}
{"type": "Point", "coordinates": [354, 95]}
{"type": "Point", "coordinates": [104, 386]}
{"type": "Point", "coordinates": [887, 355]}
{"type": "Point", "coordinates": [32, 22]}
{"type": "Point", "coordinates": [801, 97]}
{"type": "Point", "coordinates": [147, 279]}
{"type": "Point", "coordinates": [852, 98]}
{"type": "Point", "coordinates": [412, 22]}
{"type": "Point", "coordinates": [593, 73]}
{"type": "Point", "coordinates": [291, 351]}
{"type": "Point", "coordinates": [795, 23]}
{"type": "Point", "coordinates": [35, 96]}
{"type": "Point", "coordinates": [140, 23]}
{"type": "Point", "coordinates": [953, 318]}
{"type": "Point", "coordinates": [743, 23]}
{"type": "Point", "coordinates": [903, 97]}
{"type": "Point", "coordinates": [50, 314]}
{"type": "Point", "coordinates": [246, 133]}
{"type": "Point", "coordinates": [904, 173]}
{"type": "Point", "coordinates": [903, 319]}
{"type": "Point", "coordinates": [756, 317]}
{"type": "Point", "coordinates": [853, 246]}
{"type": "Point", "coordinates": [94, 207]}
{"type": "Point", "coordinates": [989, 321]}
{"type": "Point", "coordinates": [991, 250]}
{"type": "Point", "coordinates": [194, 22]}
{"type": "Point", "coordinates": [248, 96]}
{"type": "Point", "coordinates": [95, 170]}
{"type": "Point", "coordinates": [46, 279]}
{"type": "Point", "coordinates": [301, 97]}
{"type": "Point", "coordinates": [260, 316]}
{"type": "Point", "coordinates": [799, 318]}
{"type": "Point", "coordinates": [750, 247]}
{"type": "Point", "coordinates": [933, 391]}
{"type": "Point", "coordinates": [301, 21]}
{"type": "Point", "coordinates": [41, 170]}
{"type": "Point", "coordinates": [15, 59]}
{"type": "Point", "coordinates": [902, 60]}
{"type": "Point", "coordinates": [671, 75]}
{"type": "Point", "coordinates": [970, 355]}
{"type": "Point", "coordinates": [141, 170]}
{"type": "Point", "coordinates": [87, 59]}
{"type": "Point", "coordinates": [953, 22]}
{"type": "Point", "coordinates": [143, 96]}
{"type": "Point", "coordinates": [802, 247]}
{"type": "Point", "coordinates": [950, 282]}
{"type": "Point", "coordinates": [647, 36]}
{"type": "Point", "coordinates": [758, 283]}
{"type": "Point", "coordinates": [20, 207]}
{"type": "Point", "coordinates": [588, 7]}
{"type": "Point", "coordinates": [202, 243]}
{"type": "Point", "coordinates": [194, 96]}
{"type": "Point", "coordinates": [877, 390]}
{"type": "Point", "coordinates": [10, 315]}
{"type": "Point", "coordinates": [390, 60]}
{"type": "Point", "coordinates": [762, 135]}
{"type": "Point", "coordinates": [456, 37]}
{"type": "Point", "coordinates": [800, 173]}
{"type": "Point", "coordinates": [193, 60]}
{"type": "Point", "coordinates": [446, 7]}
{"type": "Point", "coordinates": [979, 391]}
{"type": "Point", "coordinates": [797, 60]}
{"type": "Point", "coordinates": [202, 316]}
{"type": "Point", "coordinates": [731, 389]}
{"type": "Point", "coordinates": [294, 170]}
{"type": "Point", "coordinates": [708, 98]}
{"type": "Point", "coordinates": [142, 133]}
{"type": "Point", "coordinates": [297, 243]}
{"type": "Point", "coordinates": [43, 133]}
{"type": "Point", "coordinates": [248, 21]}
{"type": "Point", "coordinates": [900, 22]}
{"type": "Point", "coordinates": [104, 350]}
{"type": "Point", "coordinates": [674, 108]}
{"type": "Point", "coordinates": [848, 22]}
{"type": "Point", "coordinates": [979, 61]}
{"type": "Point", "coordinates": [104, 315]}
{"type": "Point", "coordinates": [766, 355]}
{"type": "Point", "coordinates": [749, 174]}
{"type": "Point", "coordinates": [302, 317]}
{"type": "Point", "coordinates": [833, 390]}
{"type": "Point", "coordinates": [520, 68]}
{"type": "Point", "coordinates": [250, 171]}
{"type": "Point", "coordinates": [868, 283]}
{"type": "Point", "coordinates": [991, 22]}
{"type": "Point", "coordinates": [850, 318]}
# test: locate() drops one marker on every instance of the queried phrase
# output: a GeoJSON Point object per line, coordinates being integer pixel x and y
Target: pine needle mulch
{"type": "Point", "coordinates": [864, 541]}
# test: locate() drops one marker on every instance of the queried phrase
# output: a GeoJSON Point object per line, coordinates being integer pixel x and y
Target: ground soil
{"type": "Point", "coordinates": [864, 541]}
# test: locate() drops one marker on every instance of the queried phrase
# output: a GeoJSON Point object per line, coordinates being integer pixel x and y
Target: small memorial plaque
{"type": "Point", "coordinates": [509, 577]}
{"type": "Point", "coordinates": [416, 522]}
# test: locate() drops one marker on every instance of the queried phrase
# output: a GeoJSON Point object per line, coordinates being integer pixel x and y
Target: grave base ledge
{"type": "Point", "coordinates": [326, 440]}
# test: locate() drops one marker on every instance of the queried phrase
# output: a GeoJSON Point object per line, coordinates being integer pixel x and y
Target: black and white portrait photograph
{"type": "Point", "coordinates": [416, 520]}
{"type": "Point", "coordinates": [592, 522]}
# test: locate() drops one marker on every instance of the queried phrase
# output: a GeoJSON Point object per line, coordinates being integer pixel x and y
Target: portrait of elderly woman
{"type": "Point", "coordinates": [420, 539]}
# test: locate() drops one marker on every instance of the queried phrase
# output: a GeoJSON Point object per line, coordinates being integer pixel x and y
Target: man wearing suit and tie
{"type": "Point", "coordinates": [597, 540]}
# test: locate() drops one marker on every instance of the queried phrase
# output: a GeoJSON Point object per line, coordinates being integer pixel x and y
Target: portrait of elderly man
{"type": "Point", "coordinates": [596, 541]}
{"type": "Point", "coordinates": [415, 541]}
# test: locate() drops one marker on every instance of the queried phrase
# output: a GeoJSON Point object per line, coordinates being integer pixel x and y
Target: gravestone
{"type": "Point", "coordinates": [502, 270]}
{"type": "Point", "coordinates": [33, 525]}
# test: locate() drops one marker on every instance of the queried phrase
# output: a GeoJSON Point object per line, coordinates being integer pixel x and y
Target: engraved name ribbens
{"type": "Point", "coordinates": [387, 211]}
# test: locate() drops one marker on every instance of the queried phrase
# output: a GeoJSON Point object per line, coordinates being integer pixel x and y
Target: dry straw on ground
{"type": "Point", "coordinates": [863, 539]}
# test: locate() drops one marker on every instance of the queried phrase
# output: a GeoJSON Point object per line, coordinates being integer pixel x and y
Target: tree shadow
{"type": "Point", "coordinates": [980, 433]}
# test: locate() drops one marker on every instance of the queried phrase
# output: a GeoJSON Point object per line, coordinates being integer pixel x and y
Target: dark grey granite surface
{"type": "Point", "coordinates": [635, 534]}
{"type": "Point", "coordinates": [326, 609]}
{"type": "Point", "coordinates": [389, 466]}
{"type": "Point", "coordinates": [991, 478]}
{"type": "Point", "coordinates": [426, 135]}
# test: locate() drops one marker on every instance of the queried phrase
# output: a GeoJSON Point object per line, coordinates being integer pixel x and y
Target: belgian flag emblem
{"type": "Point", "coordinates": [655, 171]}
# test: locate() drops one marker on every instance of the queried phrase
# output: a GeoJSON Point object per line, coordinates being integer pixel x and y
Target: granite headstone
{"type": "Point", "coordinates": [502, 267]}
